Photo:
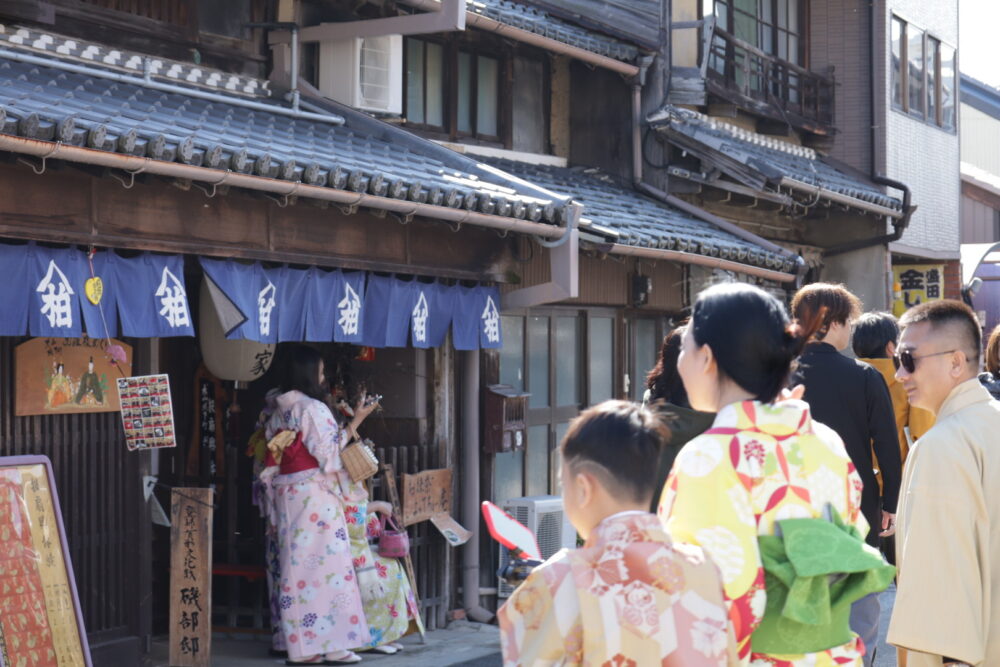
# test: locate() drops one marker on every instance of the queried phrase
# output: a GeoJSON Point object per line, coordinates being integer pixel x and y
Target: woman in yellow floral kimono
{"type": "Point", "coordinates": [385, 590]}
{"type": "Point", "coordinates": [759, 465]}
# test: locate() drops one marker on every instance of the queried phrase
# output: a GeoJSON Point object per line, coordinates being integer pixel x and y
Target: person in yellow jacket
{"type": "Point", "coordinates": [874, 342]}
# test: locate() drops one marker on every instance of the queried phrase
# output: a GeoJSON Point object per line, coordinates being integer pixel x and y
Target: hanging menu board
{"type": "Point", "coordinates": [147, 412]}
{"type": "Point", "coordinates": [40, 619]}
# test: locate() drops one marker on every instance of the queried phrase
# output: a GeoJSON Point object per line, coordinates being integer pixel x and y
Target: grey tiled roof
{"type": "Point", "coordinates": [540, 22]}
{"type": "Point", "coordinates": [766, 158]}
{"type": "Point", "coordinates": [640, 220]}
{"type": "Point", "coordinates": [130, 61]}
{"type": "Point", "coordinates": [361, 155]}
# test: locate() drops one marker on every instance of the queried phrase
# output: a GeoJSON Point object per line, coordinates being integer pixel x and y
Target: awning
{"type": "Point", "coordinates": [273, 305]}
{"type": "Point", "coordinates": [46, 294]}
{"type": "Point", "coordinates": [769, 164]}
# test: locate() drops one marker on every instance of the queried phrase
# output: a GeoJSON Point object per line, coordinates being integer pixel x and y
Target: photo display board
{"type": "Point", "coordinates": [40, 619]}
{"type": "Point", "coordinates": [147, 412]}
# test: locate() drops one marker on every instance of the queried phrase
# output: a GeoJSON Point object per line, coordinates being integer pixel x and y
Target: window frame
{"type": "Point", "coordinates": [445, 81]}
{"type": "Point", "coordinates": [776, 31]}
{"type": "Point", "coordinates": [451, 48]}
{"type": "Point", "coordinates": [928, 38]}
{"type": "Point", "coordinates": [552, 415]}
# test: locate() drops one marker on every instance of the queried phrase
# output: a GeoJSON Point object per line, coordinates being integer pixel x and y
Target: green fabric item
{"type": "Point", "coordinates": [814, 569]}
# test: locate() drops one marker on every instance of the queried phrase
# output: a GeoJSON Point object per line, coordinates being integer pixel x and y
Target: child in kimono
{"type": "Point", "coordinates": [629, 595]}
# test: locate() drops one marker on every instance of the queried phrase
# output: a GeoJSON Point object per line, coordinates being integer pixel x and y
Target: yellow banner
{"type": "Point", "coordinates": [916, 283]}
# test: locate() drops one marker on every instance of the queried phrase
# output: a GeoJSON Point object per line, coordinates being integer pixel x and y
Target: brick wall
{"type": "Point", "coordinates": [924, 157]}
{"type": "Point", "coordinates": [839, 39]}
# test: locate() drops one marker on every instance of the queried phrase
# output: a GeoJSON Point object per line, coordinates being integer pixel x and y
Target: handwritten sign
{"type": "Point", "coordinates": [67, 376]}
{"type": "Point", "coordinates": [190, 577]}
{"type": "Point", "coordinates": [147, 412]}
{"type": "Point", "coordinates": [40, 620]}
{"type": "Point", "coordinates": [425, 494]}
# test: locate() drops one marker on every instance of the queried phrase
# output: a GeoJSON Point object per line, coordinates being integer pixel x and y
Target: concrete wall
{"type": "Point", "coordinates": [922, 155]}
{"type": "Point", "coordinates": [980, 139]}
{"type": "Point", "coordinates": [864, 272]}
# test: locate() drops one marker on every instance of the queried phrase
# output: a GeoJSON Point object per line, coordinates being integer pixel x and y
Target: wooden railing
{"type": "Point", "coordinates": [179, 13]}
{"type": "Point", "coordinates": [747, 76]}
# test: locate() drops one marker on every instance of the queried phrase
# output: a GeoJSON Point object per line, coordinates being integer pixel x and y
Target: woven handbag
{"type": "Point", "coordinates": [394, 542]}
{"type": "Point", "coordinates": [359, 461]}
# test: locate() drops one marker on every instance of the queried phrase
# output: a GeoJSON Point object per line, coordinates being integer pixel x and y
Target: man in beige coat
{"type": "Point", "coordinates": [947, 607]}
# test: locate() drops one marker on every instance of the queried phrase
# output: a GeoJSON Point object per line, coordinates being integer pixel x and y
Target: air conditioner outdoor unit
{"type": "Point", "coordinates": [545, 518]}
{"type": "Point", "coordinates": [364, 72]}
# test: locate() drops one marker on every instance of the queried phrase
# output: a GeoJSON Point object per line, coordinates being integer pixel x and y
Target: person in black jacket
{"type": "Point", "coordinates": [665, 393]}
{"type": "Point", "coordinates": [851, 397]}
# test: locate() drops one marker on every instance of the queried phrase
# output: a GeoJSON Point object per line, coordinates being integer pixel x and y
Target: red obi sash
{"type": "Point", "coordinates": [296, 458]}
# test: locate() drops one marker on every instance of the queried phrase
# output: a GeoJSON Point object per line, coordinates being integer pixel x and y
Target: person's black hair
{"type": "Point", "coordinates": [750, 336]}
{"type": "Point", "coordinates": [302, 371]}
{"type": "Point", "coordinates": [948, 312]}
{"type": "Point", "coordinates": [619, 442]}
{"type": "Point", "coordinates": [664, 382]}
{"type": "Point", "coordinates": [872, 332]}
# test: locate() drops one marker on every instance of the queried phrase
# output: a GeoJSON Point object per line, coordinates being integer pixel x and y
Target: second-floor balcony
{"type": "Point", "coordinates": [762, 83]}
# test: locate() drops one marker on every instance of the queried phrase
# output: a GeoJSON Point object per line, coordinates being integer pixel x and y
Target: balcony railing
{"type": "Point", "coordinates": [747, 76]}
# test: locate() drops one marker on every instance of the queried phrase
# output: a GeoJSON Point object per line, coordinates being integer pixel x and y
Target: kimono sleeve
{"type": "Point", "coordinates": [943, 550]}
{"type": "Point", "coordinates": [535, 630]}
{"type": "Point", "coordinates": [322, 437]}
{"type": "Point", "coordinates": [705, 503]}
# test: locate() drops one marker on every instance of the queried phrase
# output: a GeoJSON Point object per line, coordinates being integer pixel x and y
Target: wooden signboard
{"type": "Point", "coordinates": [425, 494]}
{"type": "Point", "coordinates": [67, 375]}
{"type": "Point", "coordinates": [389, 478]}
{"type": "Point", "coordinates": [40, 619]}
{"type": "Point", "coordinates": [190, 577]}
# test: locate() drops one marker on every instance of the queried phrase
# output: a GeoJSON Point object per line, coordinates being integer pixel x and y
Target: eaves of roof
{"type": "Point", "coordinates": [538, 21]}
{"type": "Point", "coordinates": [979, 95]}
{"type": "Point", "coordinates": [767, 164]}
{"type": "Point", "coordinates": [41, 100]}
{"type": "Point", "coordinates": [633, 219]}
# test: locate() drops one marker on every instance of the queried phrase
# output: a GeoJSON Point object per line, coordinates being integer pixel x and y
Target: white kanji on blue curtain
{"type": "Point", "coordinates": [57, 277]}
{"type": "Point", "coordinates": [151, 296]}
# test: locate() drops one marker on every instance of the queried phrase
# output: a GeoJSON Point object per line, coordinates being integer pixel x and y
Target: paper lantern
{"type": "Point", "coordinates": [238, 360]}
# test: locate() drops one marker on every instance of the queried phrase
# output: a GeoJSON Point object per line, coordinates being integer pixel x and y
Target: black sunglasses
{"type": "Point", "coordinates": [906, 359]}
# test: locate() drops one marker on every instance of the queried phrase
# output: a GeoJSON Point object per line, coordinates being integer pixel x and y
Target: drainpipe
{"type": "Point", "coordinates": [293, 28]}
{"type": "Point", "coordinates": [898, 226]}
{"type": "Point", "coordinates": [470, 488]}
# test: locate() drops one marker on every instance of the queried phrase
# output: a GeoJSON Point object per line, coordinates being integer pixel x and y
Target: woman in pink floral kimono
{"type": "Point", "coordinates": [322, 615]}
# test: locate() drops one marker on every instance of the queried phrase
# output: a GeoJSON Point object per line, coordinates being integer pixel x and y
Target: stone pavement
{"type": "Point", "coordinates": [885, 656]}
{"type": "Point", "coordinates": [462, 644]}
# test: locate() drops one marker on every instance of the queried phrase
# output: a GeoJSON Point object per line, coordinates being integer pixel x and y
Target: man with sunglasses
{"type": "Point", "coordinates": [947, 608]}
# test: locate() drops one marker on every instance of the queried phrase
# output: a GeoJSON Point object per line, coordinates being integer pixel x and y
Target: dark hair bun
{"type": "Point", "coordinates": [751, 337]}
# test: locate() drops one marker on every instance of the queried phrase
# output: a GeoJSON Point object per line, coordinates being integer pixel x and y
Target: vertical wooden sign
{"type": "Point", "coordinates": [190, 577]}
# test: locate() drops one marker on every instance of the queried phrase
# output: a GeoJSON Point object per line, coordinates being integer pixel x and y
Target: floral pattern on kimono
{"type": "Point", "coordinates": [321, 607]}
{"type": "Point", "coordinates": [389, 609]}
{"type": "Point", "coordinates": [759, 464]}
{"type": "Point", "coordinates": [629, 596]}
